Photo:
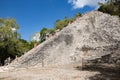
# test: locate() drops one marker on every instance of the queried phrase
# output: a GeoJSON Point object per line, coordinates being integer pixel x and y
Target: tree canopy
{"type": "Point", "coordinates": [111, 7]}
{"type": "Point", "coordinates": [10, 42]}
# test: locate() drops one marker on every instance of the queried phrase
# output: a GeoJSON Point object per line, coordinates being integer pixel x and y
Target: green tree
{"type": "Point", "coordinates": [78, 15]}
{"type": "Point", "coordinates": [31, 44]}
{"type": "Point", "coordinates": [51, 31]}
{"type": "Point", "coordinates": [111, 7]}
{"type": "Point", "coordinates": [60, 24]}
{"type": "Point", "coordinates": [25, 46]}
{"type": "Point", "coordinates": [10, 44]}
{"type": "Point", "coordinates": [43, 34]}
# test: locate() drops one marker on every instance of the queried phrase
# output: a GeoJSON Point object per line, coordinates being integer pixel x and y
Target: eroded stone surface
{"type": "Point", "coordinates": [91, 36]}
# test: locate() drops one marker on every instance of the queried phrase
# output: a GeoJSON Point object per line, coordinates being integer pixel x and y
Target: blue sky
{"type": "Point", "coordinates": [33, 15]}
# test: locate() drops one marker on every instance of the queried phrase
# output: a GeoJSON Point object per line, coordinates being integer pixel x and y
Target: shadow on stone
{"type": "Point", "coordinates": [106, 71]}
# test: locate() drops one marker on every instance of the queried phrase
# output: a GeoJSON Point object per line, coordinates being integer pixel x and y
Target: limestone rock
{"type": "Point", "coordinates": [91, 36]}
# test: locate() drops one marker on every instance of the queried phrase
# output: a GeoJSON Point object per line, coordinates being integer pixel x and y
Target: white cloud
{"type": "Point", "coordinates": [81, 3]}
{"type": "Point", "coordinates": [35, 37]}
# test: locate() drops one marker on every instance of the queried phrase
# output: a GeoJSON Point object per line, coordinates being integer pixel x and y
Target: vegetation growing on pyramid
{"type": "Point", "coordinates": [111, 7]}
